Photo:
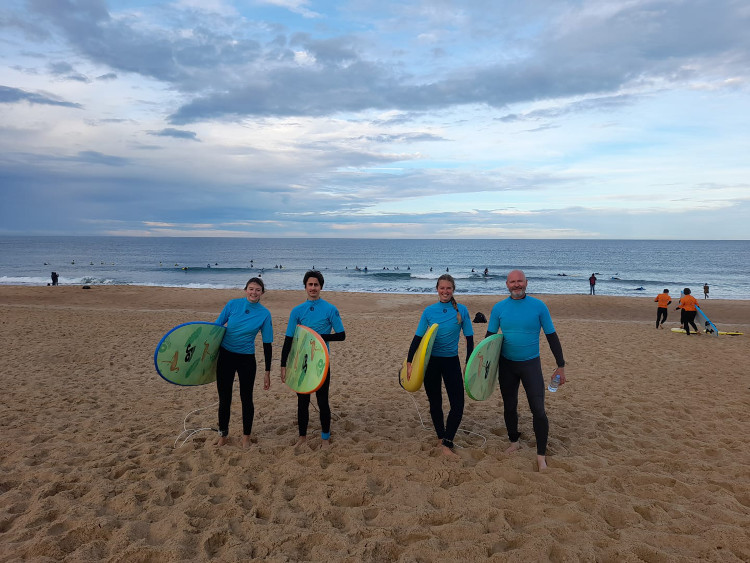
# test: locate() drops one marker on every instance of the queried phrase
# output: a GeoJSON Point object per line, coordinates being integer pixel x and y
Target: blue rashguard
{"type": "Point", "coordinates": [449, 330]}
{"type": "Point", "coordinates": [318, 315]}
{"type": "Point", "coordinates": [520, 321]}
{"type": "Point", "coordinates": [244, 320]}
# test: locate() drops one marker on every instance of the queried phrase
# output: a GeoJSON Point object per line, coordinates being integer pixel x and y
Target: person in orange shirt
{"type": "Point", "coordinates": [688, 304]}
{"type": "Point", "coordinates": [663, 299]}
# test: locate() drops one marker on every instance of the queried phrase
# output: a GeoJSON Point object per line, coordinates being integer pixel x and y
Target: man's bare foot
{"type": "Point", "coordinates": [448, 452]}
{"type": "Point", "coordinates": [439, 442]}
{"type": "Point", "coordinates": [541, 463]}
{"type": "Point", "coordinates": [514, 447]}
{"type": "Point", "coordinates": [246, 440]}
{"type": "Point", "coordinates": [325, 444]}
{"type": "Point", "coordinates": [300, 441]}
{"type": "Point", "coordinates": [222, 441]}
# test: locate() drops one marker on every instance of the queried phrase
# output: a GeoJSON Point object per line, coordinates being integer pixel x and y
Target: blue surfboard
{"type": "Point", "coordinates": [712, 326]}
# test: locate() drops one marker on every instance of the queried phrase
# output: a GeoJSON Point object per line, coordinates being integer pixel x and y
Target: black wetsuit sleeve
{"type": "Point", "coordinates": [556, 347]}
{"type": "Point", "coordinates": [334, 337]}
{"type": "Point", "coordinates": [286, 349]}
{"type": "Point", "coordinates": [469, 346]}
{"type": "Point", "coordinates": [413, 348]}
{"type": "Point", "coordinates": [268, 354]}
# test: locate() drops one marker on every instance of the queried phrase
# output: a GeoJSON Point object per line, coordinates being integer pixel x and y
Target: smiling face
{"type": "Point", "coordinates": [445, 289]}
{"type": "Point", "coordinates": [312, 287]}
{"type": "Point", "coordinates": [253, 292]}
{"type": "Point", "coordinates": [516, 284]}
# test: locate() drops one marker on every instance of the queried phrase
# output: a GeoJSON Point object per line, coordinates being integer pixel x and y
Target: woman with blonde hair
{"type": "Point", "coordinates": [444, 365]}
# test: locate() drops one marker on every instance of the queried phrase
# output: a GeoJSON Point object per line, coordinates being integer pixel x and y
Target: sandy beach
{"type": "Point", "coordinates": [648, 457]}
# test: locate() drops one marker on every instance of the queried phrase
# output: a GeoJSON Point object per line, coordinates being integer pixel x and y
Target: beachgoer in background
{"type": "Point", "coordinates": [688, 304]}
{"type": "Point", "coordinates": [55, 277]}
{"type": "Point", "coordinates": [592, 284]}
{"type": "Point", "coordinates": [444, 365]}
{"type": "Point", "coordinates": [520, 317]}
{"type": "Point", "coordinates": [663, 299]}
{"type": "Point", "coordinates": [244, 318]}
{"type": "Point", "coordinates": [322, 317]}
{"type": "Point", "coordinates": [705, 291]}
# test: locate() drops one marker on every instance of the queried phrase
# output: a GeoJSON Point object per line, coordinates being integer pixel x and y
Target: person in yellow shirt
{"type": "Point", "coordinates": [688, 304]}
{"type": "Point", "coordinates": [663, 299]}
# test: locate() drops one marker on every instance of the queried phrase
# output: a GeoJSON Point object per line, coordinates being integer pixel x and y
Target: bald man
{"type": "Point", "coordinates": [521, 317]}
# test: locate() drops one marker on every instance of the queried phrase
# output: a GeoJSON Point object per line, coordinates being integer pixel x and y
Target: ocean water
{"type": "Point", "coordinates": [623, 267]}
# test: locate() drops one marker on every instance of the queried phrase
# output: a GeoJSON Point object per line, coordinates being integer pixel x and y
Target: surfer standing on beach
{"type": "Point", "coordinates": [322, 317]}
{"type": "Point", "coordinates": [244, 318]}
{"type": "Point", "coordinates": [521, 317]}
{"type": "Point", "coordinates": [444, 364]}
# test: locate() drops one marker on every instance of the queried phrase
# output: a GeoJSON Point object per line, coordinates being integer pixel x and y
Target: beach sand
{"type": "Point", "coordinates": [648, 456]}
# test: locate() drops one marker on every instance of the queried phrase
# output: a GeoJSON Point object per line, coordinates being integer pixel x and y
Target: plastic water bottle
{"type": "Point", "coordinates": [552, 387]}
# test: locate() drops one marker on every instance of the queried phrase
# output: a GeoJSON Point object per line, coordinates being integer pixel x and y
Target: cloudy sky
{"type": "Point", "coordinates": [364, 118]}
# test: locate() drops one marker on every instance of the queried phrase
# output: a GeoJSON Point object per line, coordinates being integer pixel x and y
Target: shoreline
{"type": "Point", "coordinates": [647, 455]}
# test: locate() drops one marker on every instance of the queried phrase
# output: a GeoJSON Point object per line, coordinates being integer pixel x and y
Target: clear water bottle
{"type": "Point", "coordinates": [553, 385]}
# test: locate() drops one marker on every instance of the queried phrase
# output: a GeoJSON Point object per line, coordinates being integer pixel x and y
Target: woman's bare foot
{"type": "Point", "coordinates": [222, 441]}
{"type": "Point", "coordinates": [325, 444]}
{"type": "Point", "coordinates": [514, 447]}
{"type": "Point", "coordinates": [541, 463]}
{"type": "Point", "coordinates": [246, 440]}
{"type": "Point", "coordinates": [448, 452]}
{"type": "Point", "coordinates": [300, 441]}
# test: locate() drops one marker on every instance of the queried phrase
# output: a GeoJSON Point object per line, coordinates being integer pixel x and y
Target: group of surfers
{"type": "Point", "coordinates": [520, 318]}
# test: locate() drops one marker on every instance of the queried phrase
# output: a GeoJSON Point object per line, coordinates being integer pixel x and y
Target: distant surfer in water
{"type": "Point", "coordinates": [444, 365]}
{"type": "Point", "coordinates": [521, 317]}
{"type": "Point", "coordinates": [244, 318]}
{"type": "Point", "coordinates": [322, 317]}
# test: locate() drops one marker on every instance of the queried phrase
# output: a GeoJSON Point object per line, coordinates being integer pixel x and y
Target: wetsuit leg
{"type": "Point", "coordinates": [303, 408]}
{"type": "Point", "coordinates": [246, 374]}
{"type": "Point", "coordinates": [454, 388]}
{"type": "Point", "coordinates": [225, 369]}
{"type": "Point", "coordinates": [432, 387]}
{"type": "Point", "coordinates": [509, 381]}
{"type": "Point", "coordinates": [303, 412]}
{"type": "Point", "coordinates": [661, 316]}
{"type": "Point", "coordinates": [532, 378]}
{"type": "Point", "coordinates": [325, 409]}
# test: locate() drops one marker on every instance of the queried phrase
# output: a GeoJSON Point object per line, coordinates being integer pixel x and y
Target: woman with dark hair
{"type": "Point", "coordinates": [444, 365]}
{"type": "Point", "coordinates": [244, 318]}
{"type": "Point", "coordinates": [688, 304]}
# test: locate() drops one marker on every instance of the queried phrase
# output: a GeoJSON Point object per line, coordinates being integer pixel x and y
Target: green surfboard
{"type": "Point", "coordinates": [187, 354]}
{"type": "Point", "coordinates": [307, 364]}
{"type": "Point", "coordinates": [481, 369]}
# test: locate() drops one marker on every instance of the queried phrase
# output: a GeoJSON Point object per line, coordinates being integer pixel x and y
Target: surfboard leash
{"type": "Point", "coordinates": [421, 422]}
{"type": "Point", "coordinates": [192, 431]}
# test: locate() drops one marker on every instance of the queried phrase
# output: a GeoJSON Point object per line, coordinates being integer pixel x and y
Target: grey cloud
{"type": "Point", "coordinates": [176, 133]}
{"type": "Point", "coordinates": [94, 157]}
{"type": "Point", "coordinates": [10, 95]}
{"type": "Point", "coordinates": [584, 50]}
{"type": "Point", "coordinates": [108, 76]}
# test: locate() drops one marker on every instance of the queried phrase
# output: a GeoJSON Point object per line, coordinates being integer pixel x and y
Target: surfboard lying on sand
{"type": "Point", "coordinates": [714, 330]}
{"type": "Point", "coordinates": [308, 361]}
{"type": "Point", "coordinates": [722, 332]}
{"type": "Point", "coordinates": [187, 354]}
{"type": "Point", "coordinates": [481, 369]}
{"type": "Point", "coordinates": [419, 362]}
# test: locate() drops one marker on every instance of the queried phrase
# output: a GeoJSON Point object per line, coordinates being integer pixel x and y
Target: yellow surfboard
{"type": "Point", "coordinates": [419, 362]}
